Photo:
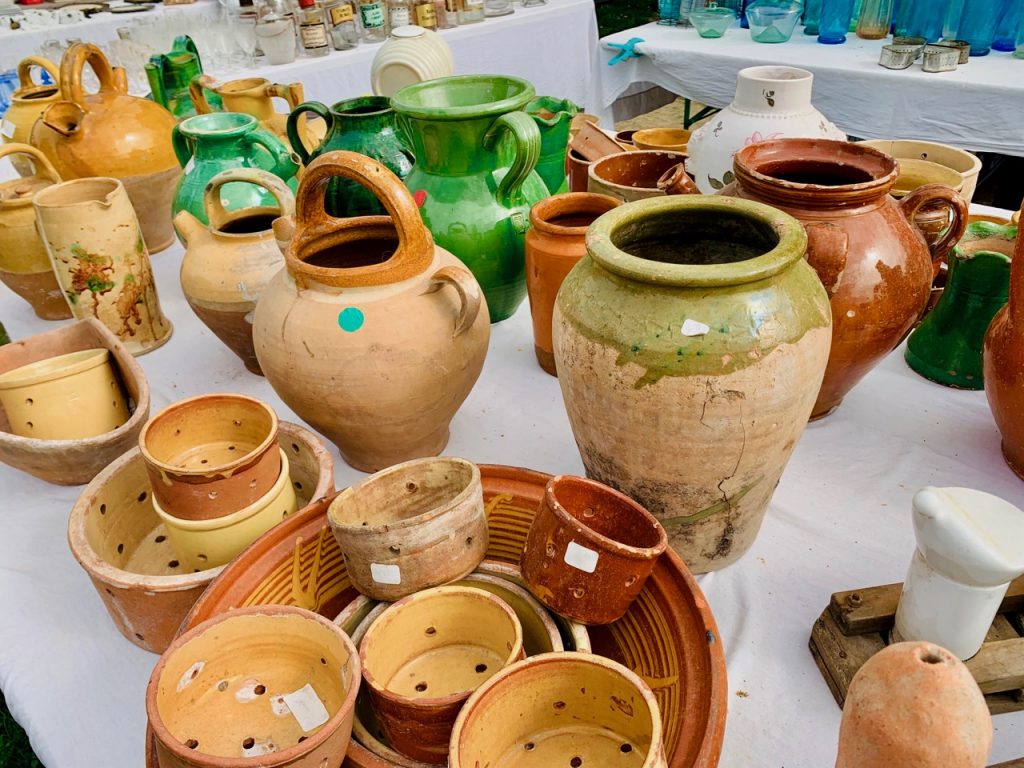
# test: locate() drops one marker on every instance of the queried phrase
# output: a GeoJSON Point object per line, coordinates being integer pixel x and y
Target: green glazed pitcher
{"type": "Point", "coordinates": [208, 144]}
{"type": "Point", "coordinates": [553, 117]}
{"type": "Point", "coordinates": [170, 73]}
{"type": "Point", "coordinates": [947, 346]}
{"type": "Point", "coordinates": [474, 177]}
{"type": "Point", "coordinates": [366, 125]}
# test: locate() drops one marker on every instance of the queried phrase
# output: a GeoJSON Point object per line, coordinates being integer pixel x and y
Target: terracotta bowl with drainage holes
{"type": "Point", "coordinates": [668, 636]}
{"type": "Point", "coordinates": [423, 657]}
{"type": "Point", "coordinates": [207, 543]}
{"type": "Point", "coordinates": [268, 686]}
{"type": "Point", "coordinates": [411, 526]}
{"type": "Point", "coordinates": [212, 455]}
{"type": "Point", "coordinates": [590, 550]}
{"type": "Point", "coordinates": [116, 536]}
{"type": "Point", "coordinates": [74, 461]}
{"type": "Point", "coordinates": [560, 709]}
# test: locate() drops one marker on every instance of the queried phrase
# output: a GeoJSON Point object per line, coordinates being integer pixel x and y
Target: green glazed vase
{"type": "Point", "coordinates": [947, 346]}
{"type": "Point", "coordinates": [170, 73]}
{"type": "Point", "coordinates": [553, 117]}
{"type": "Point", "coordinates": [366, 125]}
{"type": "Point", "coordinates": [474, 177]}
{"type": "Point", "coordinates": [208, 144]}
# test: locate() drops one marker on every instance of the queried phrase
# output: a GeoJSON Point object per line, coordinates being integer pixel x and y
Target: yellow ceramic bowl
{"type": "Point", "coordinates": [66, 397]}
{"type": "Point", "coordinates": [671, 139]}
{"type": "Point", "coordinates": [916, 173]}
{"type": "Point", "coordinates": [203, 544]}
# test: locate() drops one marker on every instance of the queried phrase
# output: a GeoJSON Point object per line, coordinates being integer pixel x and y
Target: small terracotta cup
{"type": "Point", "coordinates": [266, 686]}
{"type": "Point", "coordinates": [554, 243]}
{"type": "Point", "coordinates": [212, 455]}
{"type": "Point", "coordinates": [564, 709]}
{"type": "Point", "coordinates": [426, 654]}
{"type": "Point", "coordinates": [589, 550]}
{"type": "Point", "coordinates": [411, 526]}
{"type": "Point", "coordinates": [670, 139]}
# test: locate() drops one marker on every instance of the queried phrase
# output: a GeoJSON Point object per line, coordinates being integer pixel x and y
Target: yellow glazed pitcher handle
{"type": "Point", "coordinates": [72, 65]}
{"type": "Point", "coordinates": [25, 70]}
{"type": "Point", "coordinates": [291, 93]}
{"type": "Point", "coordinates": [44, 168]}
{"type": "Point", "coordinates": [215, 212]}
{"type": "Point", "coordinates": [197, 88]}
{"type": "Point", "coordinates": [466, 286]}
{"type": "Point", "coordinates": [938, 193]}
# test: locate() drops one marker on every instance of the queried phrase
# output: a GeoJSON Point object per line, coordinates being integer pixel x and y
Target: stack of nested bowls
{"type": "Point", "coordinates": [220, 480]}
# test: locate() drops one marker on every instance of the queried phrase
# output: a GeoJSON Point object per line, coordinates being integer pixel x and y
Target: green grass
{"type": "Point", "coordinates": [617, 15]}
{"type": "Point", "coordinates": [15, 751]}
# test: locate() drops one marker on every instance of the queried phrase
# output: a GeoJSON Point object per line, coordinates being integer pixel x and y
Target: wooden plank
{"type": "Point", "coordinates": [1001, 629]}
{"type": "Point", "coordinates": [999, 666]}
{"type": "Point", "coordinates": [840, 656]}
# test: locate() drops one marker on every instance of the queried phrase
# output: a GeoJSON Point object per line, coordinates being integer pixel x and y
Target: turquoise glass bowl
{"type": "Point", "coordinates": [772, 23]}
{"type": "Point", "coordinates": [712, 22]}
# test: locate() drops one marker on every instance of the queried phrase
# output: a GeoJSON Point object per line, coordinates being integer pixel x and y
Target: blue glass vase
{"type": "Point", "coordinates": [743, 14]}
{"type": "Point", "coordinates": [978, 24]}
{"type": "Point", "coordinates": [668, 12]}
{"type": "Point", "coordinates": [922, 18]}
{"type": "Point", "coordinates": [835, 21]}
{"type": "Point", "coordinates": [1006, 28]}
{"type": "Point", "coordinates": [954, 10]}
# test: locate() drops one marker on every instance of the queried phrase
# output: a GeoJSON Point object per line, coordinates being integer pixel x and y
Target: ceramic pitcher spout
{"type": "Point", "coordinates": [64, 117]}
{"type": "Point", "coordinates": [188, 226]}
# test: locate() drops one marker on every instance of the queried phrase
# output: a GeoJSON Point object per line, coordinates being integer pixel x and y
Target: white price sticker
{"type": "Point", "coordinates": [694, 328]}
{"type": "Point", "coordinates": [385, 574]}
{"type": "Point", "coordinates": [8, 129]}
{"type": "Point", "coordinates": [306, 708]}
{"type": "Point", "coordinates": [580, 557]}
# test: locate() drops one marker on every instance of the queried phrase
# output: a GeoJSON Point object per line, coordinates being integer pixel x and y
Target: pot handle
{"type": "Point", "coordinates": [470, 298]}
{"type": "Point", "coordinates": [415, 249]}
{"type": "Point", "coordinates": [44, 168]}
{"type": "Point", "coordinates": [197, 88]}
{"type": "Point", "coordinates": [72, 65]}
{"type": "Point", "coordinates": [184, 146]}
{"type": "Point", "coordinates": [827, 248]}
{"type": "Point", "coordinates": [284, 162]}
{"type": "Point", "coordinates": [291, 93]}
{"type": "Point", "coordinates": [25, 70]}
{"type": "Point", "coordinates": [295, 136]}
{"type": "Point", "coordinates": [937, 193]}
{"type": "Point", "coordinates": [215, 212]}
{"type": "Point", "coordinates": [676, 181]}
{"type": "Point", "coordinates": [527, 141]}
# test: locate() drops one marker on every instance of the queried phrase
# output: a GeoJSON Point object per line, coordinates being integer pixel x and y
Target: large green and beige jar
{"type": "Point", "coordinates": [690, 343]}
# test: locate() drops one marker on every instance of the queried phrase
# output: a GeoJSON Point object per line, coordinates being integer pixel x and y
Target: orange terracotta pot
{"type": "Point", "coordinates": [1003, 366]}
{"type": "Point", "coordinates": [871, 258]}
{"type": "Point", "coordinates": [668, 636]}
{"type": "Point", "coordinates": [554, 243]}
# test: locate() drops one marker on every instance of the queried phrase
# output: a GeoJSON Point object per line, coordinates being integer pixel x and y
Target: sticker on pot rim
{"type": "Point", "coordinates": [580, 557]}
{"type": "Point", "coordinates": [306, 707]}
{"type": "Point", "coordinates": [382, 573]}
{"type": "Point", "coordinates": [8, 129]}
{"type": "Point", "coordinates": [694, 328]}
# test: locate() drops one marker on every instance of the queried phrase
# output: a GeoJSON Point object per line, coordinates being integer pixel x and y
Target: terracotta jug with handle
{"type": "Point", "coordinates": [28, 102]}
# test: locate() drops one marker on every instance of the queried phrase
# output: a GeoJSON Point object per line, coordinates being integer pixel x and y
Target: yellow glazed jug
{"type": "Point", "coordinates": [27, 103]}
{"type": "Point", "coordinates": [109, 133]}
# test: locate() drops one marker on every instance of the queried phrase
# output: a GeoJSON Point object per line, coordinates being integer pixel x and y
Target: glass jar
{"type": "Point", "coordinates": [374, 19]}
{"type": "Point", "coordinates": [471, 11]}
{"type": "Point", "coordinates": [342, 24]}
{"type": "Point", "coordinates": [668, 12]}
{"type": "Point", "coordinates": [313, 29]}
{"type": "Point", "coordinates": [835, 21]}
{"type": "Point", "coordinates": [498, 8]}
{"type": "Point", "coordinates": [424, 13]}
{"type": "Point", "coordinates": [399, 13]}
{"type": "Point", "coordinates": [875, 18]}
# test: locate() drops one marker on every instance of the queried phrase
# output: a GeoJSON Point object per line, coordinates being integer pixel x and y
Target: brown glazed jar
{"type": "Point", "coordinates": [1004, 365]}
{"type": "Point", "coordinates": [873, 261]}
{"type": "Point", "coordinates": [554, 243]}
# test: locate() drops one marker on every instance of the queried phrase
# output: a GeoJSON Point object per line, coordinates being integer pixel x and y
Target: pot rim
{"type": "Point", "coordinates": [565, 658]}
{"type": "Point", "coordinates": [971, 160]}
{"type": "Point", "coordinates": [595, 166]}
{"type": "Point", "coordinates": [948, 176]}
{"type": "Point", "coordinates": [567, 204]}
{"type": "Point", "coordinates": [36, 94]}
{"type": "Point", "coordinates": [109, 183]}
{"type": "Point", "coordinates": [242, 462]}
{"type": "Point", "coordinates": [343, 108]}
{"type": "Point", "coordinates": [240, 124]}
{"type": "Point", "coordinates": [53, 368]}
{"type": "Point", "coordinates": [286, 756]}
{"type": "Point", "coordinates": [470, 489]}
{"type": "Point", "coordinates": [240, 85]}
{"type": "Point", "coordinates": [788, 251]}
{"type": "Point", "coordinates": [448, 113]}
{"type": "Point", "coordinates": [771, 73]}
{"type": "Point", "coordinates": [435, 702]}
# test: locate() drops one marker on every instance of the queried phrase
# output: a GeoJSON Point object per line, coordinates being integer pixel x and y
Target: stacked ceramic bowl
{"type": "Point", "coordinates": [220, 480]}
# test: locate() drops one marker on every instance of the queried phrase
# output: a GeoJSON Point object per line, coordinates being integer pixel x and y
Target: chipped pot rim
{"type": "Point", "coordinates": [402, 104]}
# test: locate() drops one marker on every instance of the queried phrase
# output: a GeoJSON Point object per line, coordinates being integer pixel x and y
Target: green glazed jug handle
{"type": "Point", "coordinates": [527, 140]}
{"type": "Point", "coordinates": [184, 146]}
{"type": "Point", "coordinates": [467, 287]}
{"type": "Point", "coordinates": [184, 43]}
{"type": "Point", "coordinates": [214, 208]}
{"type": "Point", "coordinates": [295, 137]}
{"type": "Point", "coordinates": [156, 70]}
{"type": "Point", "coordinates": [284, 163]}
{"type": "Point", "coordinates": [938, 193]}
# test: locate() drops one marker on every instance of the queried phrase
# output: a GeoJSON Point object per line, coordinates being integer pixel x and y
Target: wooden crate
{"type": "Point", "coordinates": [856, 625]}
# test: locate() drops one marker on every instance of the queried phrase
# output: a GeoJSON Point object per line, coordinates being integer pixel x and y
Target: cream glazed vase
{"type": "Point", "coordinates": [411, 55]}
{"type": "Point", "coordinates": [771, 102]}
{"type": "Point", "coordinates": [372, 334]}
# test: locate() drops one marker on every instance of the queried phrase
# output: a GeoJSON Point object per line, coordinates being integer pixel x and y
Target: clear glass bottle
{"type": "Point", "coordinates": [374, 18]}
{"type": "Point", "coordinates": [451, 13]}
{"type": "Point", "coordinates": [342, 23]}
{"type": "Point", "coordinates": [498, 8]}
{"type": "Point", "coordinates": [399, 13]}
{"type": "Point", "coordinates": [875, 16]}
{"type": "Point", "coordinates": [313, 29]}
{"type": "Point", "coordinates": [424, 14]}
{"type": "Point", "coordinates": [471, 11]}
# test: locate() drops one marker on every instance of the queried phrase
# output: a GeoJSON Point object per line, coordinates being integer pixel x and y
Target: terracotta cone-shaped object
{"type": "Point", "coordinates": [914, 705]}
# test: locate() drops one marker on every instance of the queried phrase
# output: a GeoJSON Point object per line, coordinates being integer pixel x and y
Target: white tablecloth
{"type": "Point", "coordinates": [840, 520]}
{"type": "Point", "coordinates": [980, 106]}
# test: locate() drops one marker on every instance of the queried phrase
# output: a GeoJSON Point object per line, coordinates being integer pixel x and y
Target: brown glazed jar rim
{"type": "Point", "coordinates": [843, 153]}
{"type": "Point", "coordinates": [435, 702]}
{"type": "Point", "coordinates": [567, 204]}
{"type": "Point", "coordinates": [618, 547]}
{"type": "Point", "coordinates": [284, 757]}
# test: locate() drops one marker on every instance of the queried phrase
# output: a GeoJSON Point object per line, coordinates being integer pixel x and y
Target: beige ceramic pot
{"type": "Point", "coordinates": [27, 103]}
{"type": "Point", "coordinates": [110, 133]}
{"type": "Point", "coordinates": [630, 176]}
{"type": "Point", "coordinates": [372, 334]}
{"type": "Point", "coordinates": [410, 55]}
{"type": "Point", "coordinates": [70, 396]}
{"type": "Point", "coordinates": [914, 705]}
{"type": "Point", "coordinates": [119, 540]}
{"type": "Point", "coordinates": [411, 526]}
{"type": "Point", "coordinates": [208, 543]}
{"type": "Point", "coordinates": [100, 260]}
{"type": "Point", "coordinates": [228, 263]}
{"type": "Point", "coordinates": [666, 139]}
{"type": "Point", "coordinates": [268, 686]}
{"type": "Point", "coordinates": [560, 709]}
{"type": "Point", "coordinates": [24, 264]}
{"type": "Point", "coordinates": [73, 461]}
{"type": "Point", "coordinates": [964, 163]}
{"type": "Point", "coordinates": [423, 657]}
{"type": "Point", "coordinates": [211, 455]}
